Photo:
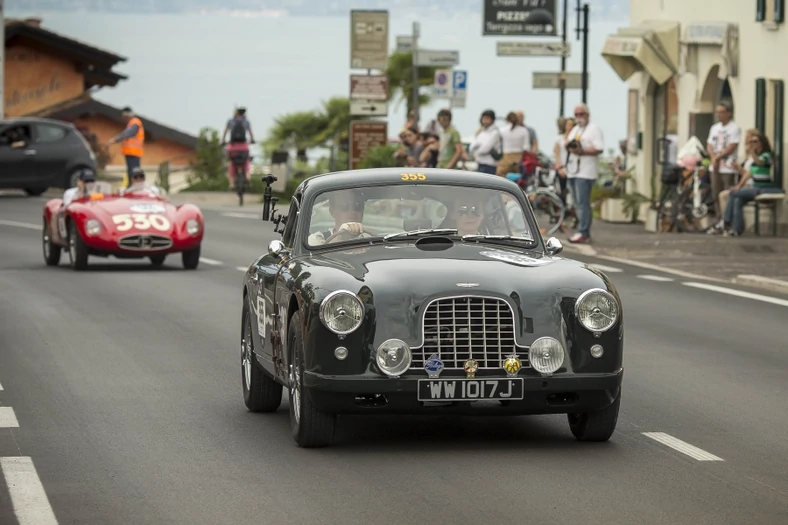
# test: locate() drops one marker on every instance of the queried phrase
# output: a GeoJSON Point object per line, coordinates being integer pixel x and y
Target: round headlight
{"type": "Point", "coordinates": [597, 310]}
{"type": "Point", "coordinates": [342, 312]}
{"type": "Point", "coordinates": [192, 226]}
{"type": "Point", "coordinates": [93, 227]}
{"type": "Point", "coordinates": [546, 355]}
{"type": "Point", "coordinates": [393, 357]}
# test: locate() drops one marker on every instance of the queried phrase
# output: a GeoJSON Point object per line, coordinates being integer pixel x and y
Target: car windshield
{"type": "Point", "coordinates": [401, 211]}
{"type": "Point", "coordinates": [98, 187]}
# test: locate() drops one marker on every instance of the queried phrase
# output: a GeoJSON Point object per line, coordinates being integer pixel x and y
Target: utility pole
{"type": "Point", "coordinates": [584, 29]}
{"type": "Point", "coordinates": [415, 69]}
{"type": "Point", "coordinates": [563, 58]}
{"type": "Point", "coordinates": [2, 59]}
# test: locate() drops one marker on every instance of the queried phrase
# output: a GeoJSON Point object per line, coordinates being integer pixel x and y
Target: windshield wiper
{"type": "Point", "coordinates": [501, 237]}
{"type": "Point", "coordinates": [414, 233]}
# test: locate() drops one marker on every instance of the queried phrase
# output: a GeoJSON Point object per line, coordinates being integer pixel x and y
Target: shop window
{"type": "Point", "coordinates": [770, 11]}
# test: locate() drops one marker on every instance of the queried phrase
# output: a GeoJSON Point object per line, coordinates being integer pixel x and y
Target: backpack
{"type": "Point", "coordinates": [238, 132]}
{"type": "Point", "coordinates": [497, 152]}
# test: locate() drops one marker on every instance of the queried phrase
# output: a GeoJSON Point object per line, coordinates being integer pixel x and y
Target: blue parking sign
{"type": "Point", "coordinates": [460, 81]}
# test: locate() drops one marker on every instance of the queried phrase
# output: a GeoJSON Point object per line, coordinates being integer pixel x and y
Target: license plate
{"type": "Point", "coordinates": [462, 389]}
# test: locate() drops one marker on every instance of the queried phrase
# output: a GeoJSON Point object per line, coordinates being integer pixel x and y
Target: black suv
{"type": "Point", "coordinates": [38, 153]}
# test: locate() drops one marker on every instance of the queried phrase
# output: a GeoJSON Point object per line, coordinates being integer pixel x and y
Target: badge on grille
{"type": "Point", "coordinates": [512, 365]}
{"type": "Point", "coordinates": [433, 366]}
{"type": "Point", "coordinates": [471, 366]}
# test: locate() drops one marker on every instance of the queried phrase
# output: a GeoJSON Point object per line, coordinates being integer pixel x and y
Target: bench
{"type": "Point", "coordinates": [768, 201]}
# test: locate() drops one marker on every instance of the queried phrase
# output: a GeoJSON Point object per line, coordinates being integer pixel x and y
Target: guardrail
{"type": "Point", "coordinates": [165, 170]}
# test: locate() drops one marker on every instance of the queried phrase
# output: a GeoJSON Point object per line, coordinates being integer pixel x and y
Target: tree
{"type": "Point", "coordinates": [210, 156]}
{"type": "Point", "coordinates": [400, 76]}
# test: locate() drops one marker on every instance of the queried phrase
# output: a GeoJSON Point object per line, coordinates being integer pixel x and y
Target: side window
{"type": "Point", "coordinates": [47, 133]}
{"type": "Point", "coordinates": [288, 236]}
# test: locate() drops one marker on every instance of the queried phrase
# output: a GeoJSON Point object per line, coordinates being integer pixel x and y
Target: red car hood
{"type": "Point", "coordinates": [125, 214]}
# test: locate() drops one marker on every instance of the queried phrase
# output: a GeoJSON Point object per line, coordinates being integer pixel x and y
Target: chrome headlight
{"type": "Point", "coordinates": [393, 357]}
{"type": "Point", "coordinates": [192, 226]}
{"type": "Point", "coordinates": [342, 312]}
{"type": "Point", "coordinates": [597, 310]}
{"type": "Point", "coordinates": [546, 355]}
{"type": "Point", "coordinates": [93, 227]}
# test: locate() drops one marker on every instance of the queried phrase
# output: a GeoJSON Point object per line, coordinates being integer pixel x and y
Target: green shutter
{"type": "Point", "coordinates": [760, 14]}
{"type": "Point", "coordinates": [760, 104]}
{"type": "Point", "coordinates": [779, 11]}
{"type": "Point", "coordinates": [777, 138]}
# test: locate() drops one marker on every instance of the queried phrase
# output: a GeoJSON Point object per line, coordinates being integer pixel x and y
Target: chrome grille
{"type": "Point", "coordinates": [145, 242]}
{"type": "Point", "coordinates": [461, 328]}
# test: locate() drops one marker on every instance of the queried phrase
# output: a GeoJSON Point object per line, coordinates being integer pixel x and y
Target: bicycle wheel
{"type": "Point", "coordinates": [549, 210]}
{"type": "Point", "coordinates": [240, 181]}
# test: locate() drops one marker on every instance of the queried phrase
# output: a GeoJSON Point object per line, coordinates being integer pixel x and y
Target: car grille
{"type": "Point", "coordinates": [145, 242]}
{"type": "Point", "coordinates": [461, 328]}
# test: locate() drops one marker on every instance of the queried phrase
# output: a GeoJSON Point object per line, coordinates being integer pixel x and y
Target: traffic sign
{"type": "Point", "coordinates": [404, 44]}
{"type": "Point", "coordinates": [369, 39]}
{"type": "Point", "coordinates": [533, 49]}
{"type": "Point", "coordinates": [369, 87]}
{"type": "Point", "coordinates": [459, 89]}
{"type": "Point", "coordinates": [369, 108]}
{"type": "Point", "coordinates": [550, 80]}
{"type": "Point", "coordinates": [365, 135]}
{"type": "Point", "coordinates": [432, 58]}
{"type": "Point", "coordinates": [442, 87]}
{"type": "Point", "coordinates": [526, 18]}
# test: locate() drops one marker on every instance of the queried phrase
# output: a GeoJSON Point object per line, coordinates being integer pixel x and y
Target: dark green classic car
{"type": "Point", "coordinates": [425, 292]}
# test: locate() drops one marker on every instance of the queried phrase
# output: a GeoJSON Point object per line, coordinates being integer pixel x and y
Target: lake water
{"type": "Point", "coordinates": [189, 71]}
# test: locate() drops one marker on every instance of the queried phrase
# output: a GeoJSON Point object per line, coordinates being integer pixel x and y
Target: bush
{"type": "Point", "coordinates": [210, 158]}
{"type": "Point", "coordinates": [380, 157]}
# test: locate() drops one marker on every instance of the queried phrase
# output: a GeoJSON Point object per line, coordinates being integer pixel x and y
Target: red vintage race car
{"type": "Point", "coordinates": [125, 225]}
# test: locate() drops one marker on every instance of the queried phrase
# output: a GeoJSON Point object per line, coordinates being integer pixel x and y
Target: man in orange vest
{"type": "Point", "coordinates": [133, 138]}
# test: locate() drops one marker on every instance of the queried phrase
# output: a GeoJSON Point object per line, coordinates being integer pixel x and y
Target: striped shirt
{"type": "Point", "coordinates": [762, 173]}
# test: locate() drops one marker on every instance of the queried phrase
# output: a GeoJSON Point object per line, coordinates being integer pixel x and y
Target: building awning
{"type": "Point", "coordinates": [651, 47]}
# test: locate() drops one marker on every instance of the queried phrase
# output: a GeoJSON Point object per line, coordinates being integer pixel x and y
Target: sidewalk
{"type": "Point", "coordinates": [748, 260]}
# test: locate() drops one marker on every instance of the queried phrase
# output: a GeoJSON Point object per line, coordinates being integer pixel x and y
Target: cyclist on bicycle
{"type": "Point", "coordinates": [238, 148]}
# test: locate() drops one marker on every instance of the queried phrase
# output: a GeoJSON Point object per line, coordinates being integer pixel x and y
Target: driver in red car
{"type": "Point", "coordinates": [85, 179]}
{"type": "Point", "coordinates": [138, 184]}
{"type": "Point", "coordinates": [347, 209]}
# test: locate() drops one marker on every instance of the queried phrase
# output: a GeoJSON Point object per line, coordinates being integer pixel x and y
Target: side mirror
{"type": "Point", "coordinates": [275, 248]}
{"type": "Point", "coordinates": [554, 246]}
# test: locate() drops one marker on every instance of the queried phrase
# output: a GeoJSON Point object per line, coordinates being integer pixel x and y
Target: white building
{"type": "Point", "coordinates": [682, 56]}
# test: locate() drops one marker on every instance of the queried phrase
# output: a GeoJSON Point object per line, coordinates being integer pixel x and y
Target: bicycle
{"type": "Point", "coordinates": [692, 203]}
{"type": "Point", "coordinates": [543, 198]}
{"type": "Point", "coordinates": [239, 160]}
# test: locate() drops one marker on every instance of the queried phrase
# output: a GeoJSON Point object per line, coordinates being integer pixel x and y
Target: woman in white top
{"type": "Point", "coordinates": [516, 141]}
{"type": "Point", "coordinates": [560, 154]}
{"type": "Point", "coordinates": [486, 143]}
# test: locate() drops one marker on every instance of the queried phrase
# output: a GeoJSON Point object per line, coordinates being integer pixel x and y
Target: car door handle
{"type": "Point", "coordinates": [30, 152]}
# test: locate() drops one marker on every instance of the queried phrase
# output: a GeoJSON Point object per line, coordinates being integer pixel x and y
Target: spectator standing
{"type": "Point", "coordinates": [410, 147]}
{"type": "Point", "coordinates": [516, 140]}
{"type": "Point", "coordinates": [585, 143]}
{"type": "Point", "coordinates": [451, 148]}
{"type": "Point", "coordinates": [132, 143]}
{"type": "Point", "coordinates": [742, 174]}
{"type": "Point", "coordinates": [531, 132]}
{"type": "Point", "coordinates": [560, 154]}
{"type": "Point", "coordinates": [722, 145]}
{"type": "Point", "coordinates": [487, 145]}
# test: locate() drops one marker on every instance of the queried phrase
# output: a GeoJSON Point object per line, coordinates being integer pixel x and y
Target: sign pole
{"type": "Point", "coordinates": [585, 53]}
{"type": "Point", "coordinates": [2, 59]}
{"type": "Point", "coordinates": [415, 71]}
{"type": "Point", "coordinates": [563, 59]}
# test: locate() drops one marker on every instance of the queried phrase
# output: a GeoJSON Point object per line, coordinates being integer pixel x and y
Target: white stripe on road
{"type": "Point", "coordinates": [212, 262]}
{"type": "Point", "coordinates": [608, 269]}
{"type": "Point", "coordinates": [8, 418]}
{"type": "Point", "coordinates": [28, 498]}
{"type": "Point", "coordinates": [681, 446]}
{"type": "Point", "coordinates": [242, 215]}
{"type": "Point", "coordinates": [1, 387]}
{"type": "Point", "coordinates": [658, 278]}
{"type": "Point", "coordinates": [241, 268]}
{"type": "Point", "coordinates": [27, 225]}
{"type": "Point", "coordinates": [739, 293]}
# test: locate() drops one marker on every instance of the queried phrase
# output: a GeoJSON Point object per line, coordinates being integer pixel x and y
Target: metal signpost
{"type": "Point", "coordinates": [550, 80]}
{"type": "Point", "coordinates": [519, 18]}
{"type": "Point", "coordinates": [365, 135]}
{"type": "Point", "coordinates": [369, 39]}
{"type": "Point", "coordinates": [459, 89]}
{"type": "Point", "coordinates": [404, 44]}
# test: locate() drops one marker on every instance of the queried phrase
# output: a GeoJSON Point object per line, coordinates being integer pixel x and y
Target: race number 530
{"type": "Point", "coordinates": [141, 221]}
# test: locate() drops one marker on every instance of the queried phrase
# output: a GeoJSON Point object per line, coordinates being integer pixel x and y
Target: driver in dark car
{"type": "Point", "coordinates": [347, 209]}
{"type": "Point", "coordinates": [466, 215]}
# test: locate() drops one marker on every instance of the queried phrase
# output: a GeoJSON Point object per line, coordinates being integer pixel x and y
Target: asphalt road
{"type": "Point", "coordinates": [121, 403]}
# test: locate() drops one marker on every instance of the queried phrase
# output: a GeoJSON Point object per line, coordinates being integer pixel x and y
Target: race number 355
{"type": "Point", "coordinates": [141, 221]}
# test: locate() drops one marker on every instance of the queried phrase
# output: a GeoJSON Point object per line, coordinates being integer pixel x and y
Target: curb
{"type": "Point", "coordinates": [766, 283]}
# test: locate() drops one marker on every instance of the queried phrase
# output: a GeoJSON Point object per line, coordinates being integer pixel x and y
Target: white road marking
{"type": "Point", "coordinates": [1, 387]}
{"type": "Point", "coordinates": [8, 418]}
{"type": "Point", "coordinates": [656, 268]}
{"type": "Point", "coordinates": [658, 278]}
{"type": "Point", "coordinates": [241, 268]}
{"type": "Point", "coordinates": [212, 262]}
{"type": "Point", "coordinates": [608, 269]}
{"type": "Point", "coordinates": [27, 225]}
{"type": "Point", "coordinates": [242, 215]}
{"type": "Point", "coordinates": [739, 293]}
{"type": "Point", "coordinates": [28, 498]}
{"type": "Point", "coordinates": [681, 446]}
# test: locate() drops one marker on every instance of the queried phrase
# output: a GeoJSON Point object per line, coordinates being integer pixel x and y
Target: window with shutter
{"type": "Point", "coordinates": [760, 104]}
{"type": "Point", "coordinates": [777, 140]}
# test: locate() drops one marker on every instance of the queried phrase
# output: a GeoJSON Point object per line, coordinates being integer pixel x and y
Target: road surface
{"type": "Point", "coordinates": [121, 403]}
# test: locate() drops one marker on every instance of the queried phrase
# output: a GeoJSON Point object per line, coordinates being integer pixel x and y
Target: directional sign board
{"type": "Point", "coordinates": [432, 58]}
{"type": "Point", "coordinates": [369, 87]}
{"type": "Point", "coordinates": [369, 108]}
{"type": "Point", "coordinates": [533, 49]}
{"type": "Point", "coordinates": [404, 44]}
{"type": "Point", "coordinates": [550, 80]}
{"type": "Point", "coordinates": [442, 87]}
{"type": "Point", "coordinates": [520, 18]}
{"type": "Point", "coordinates": [365, 135]}
{"type": "Point", "coordinates": [369, 39]}
{"type": "Point", "coordinates": [459, 89]}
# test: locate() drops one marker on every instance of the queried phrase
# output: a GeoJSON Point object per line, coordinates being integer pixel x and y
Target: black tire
{"type": "Point", "coordinates": [310, 427]}
{"type": "Point", "coordinates": [157, 260]}
{"type": "Point", "coordinates": [261, 392]}
{"type": "Point", "coordinates": [77, 250]}
{"type": "Point", "coordinates": [191, 258]}
{"type": "Point", "coordinates": [51, 250]}
{"type": "Point", "coordinates": [34, 192]}
{"type": "Point", "coordinates": [596, 426]}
